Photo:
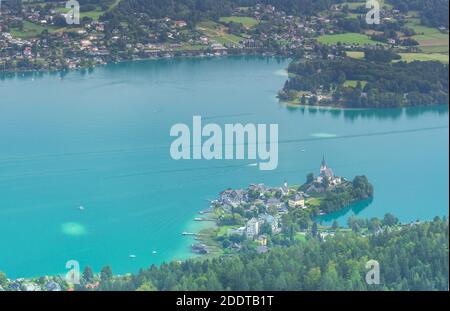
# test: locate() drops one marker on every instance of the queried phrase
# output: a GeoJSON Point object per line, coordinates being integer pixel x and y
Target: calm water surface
{"type": "Point", "coordinates": [101, 140]}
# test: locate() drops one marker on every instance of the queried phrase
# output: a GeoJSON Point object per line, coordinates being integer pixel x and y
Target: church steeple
{"type": "Point", "coordinates": [324, 164]}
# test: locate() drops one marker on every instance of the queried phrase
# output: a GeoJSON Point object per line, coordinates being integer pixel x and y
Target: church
{"type": "Point", "coordinates": [327, 173]}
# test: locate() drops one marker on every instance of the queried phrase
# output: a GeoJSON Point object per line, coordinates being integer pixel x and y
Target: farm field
{"type": "Point", "coordinates": [218, 33]}
{"type": "Point", "coordinates": [430, 39]}
{"type": "Point", "coordinates": [347, 38]}
{"type": "Point", "coordinates": [409, 57]}
{"type": "Point", "coordinates": [248, 22]}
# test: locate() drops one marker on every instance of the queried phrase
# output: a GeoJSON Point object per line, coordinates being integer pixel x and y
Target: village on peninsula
{"type": "Point", "coordinates": [260, 216]}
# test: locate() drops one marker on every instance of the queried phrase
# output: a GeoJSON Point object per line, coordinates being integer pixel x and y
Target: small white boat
{"type": "Point", "coordinates": [132, 256]}
{"type": "Point", "coordinates": [253, 164]}
{"type": "Point", "coordinates": [154, 252]}
{"type": "Point", "coordinates": [81, 208]}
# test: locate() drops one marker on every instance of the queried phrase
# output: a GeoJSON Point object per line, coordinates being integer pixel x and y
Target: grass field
{"type": "Point", "coordinates": [355, 54]}
{"type": "Point", "coordinates": [353, 83]}
{"type": "Point", "coordinates": [94, 14]}
{"type": "Point", "coordinates": [409, 57]}
{"type": "Point", "coordinates": [223, 230]}
{"type": "Point", "coordinates": [355, 5]}
{"type": "Point", "coordinates": [30, 30]}
{"type": "Point", "coordinates": [300, 236]}
{"type": "Point", "coordinates": [248, 22]}
{"type": "Point", "coordinates": [347, 38]}
{"type": "Point", "coordinates": [430, 39]}
{"type": "Point", "coordinates": [218, 32]}
{"type": "Point", "coordinates": [313, 202]}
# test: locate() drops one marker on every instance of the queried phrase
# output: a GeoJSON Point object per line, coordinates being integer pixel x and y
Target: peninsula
{"type": "Point", "coordinates": [249, 218]}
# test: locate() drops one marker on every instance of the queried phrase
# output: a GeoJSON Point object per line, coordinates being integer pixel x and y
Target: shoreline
{"type": "Point", "coordinates": [203, 56]}
{"type": "Point", "coordinates": [339, 108]}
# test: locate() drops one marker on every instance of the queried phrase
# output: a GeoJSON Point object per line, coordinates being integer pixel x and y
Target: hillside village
{"type": "Point", "coordinates": [35, 36]}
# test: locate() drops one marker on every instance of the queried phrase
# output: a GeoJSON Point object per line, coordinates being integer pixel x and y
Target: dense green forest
{"type": "Point", "coordinates": [343, 196]}
{"type": "Point", "coordinates": [196, 10]}
{"type": "Point", "coordinates": [380, 84]}
{"type": "Point", "coordinates": [432, 12]}
{"type": "Point", "coordinates": [414, 257]}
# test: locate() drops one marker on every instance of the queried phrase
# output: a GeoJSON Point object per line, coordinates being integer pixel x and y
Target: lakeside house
{"type": "Point", "coordinates": [297, 200]}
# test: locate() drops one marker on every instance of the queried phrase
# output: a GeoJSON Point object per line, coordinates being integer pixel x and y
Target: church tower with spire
{"type": "Point", "coordinates": [323, 166]}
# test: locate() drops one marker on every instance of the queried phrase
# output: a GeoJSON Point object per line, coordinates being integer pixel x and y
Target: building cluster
{"type": "Point", "coordinates": [47, 283]}
{"type": "Point", "coordinates": [38, 38]}
{"type": "Point", "coordinates": [260, 206]}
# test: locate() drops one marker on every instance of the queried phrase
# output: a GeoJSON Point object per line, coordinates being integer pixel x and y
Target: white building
{"type": "Point", "coordinates": [252, 228]}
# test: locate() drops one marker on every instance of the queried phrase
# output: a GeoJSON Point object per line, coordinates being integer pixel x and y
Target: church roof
{"type": "Point", "coordinates": [328, 172]}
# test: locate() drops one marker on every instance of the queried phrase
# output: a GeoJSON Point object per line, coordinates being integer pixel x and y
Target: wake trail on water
{"type": "Point", "coordinates": [154, 172]}
{"type": "Point", "coordinates": [163, 146]}
{"type": "Point", "coordinates": [287, 141]}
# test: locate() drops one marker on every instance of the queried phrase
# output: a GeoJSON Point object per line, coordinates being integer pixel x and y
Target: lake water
{"type": "Point", "coordinates": [101, 140]}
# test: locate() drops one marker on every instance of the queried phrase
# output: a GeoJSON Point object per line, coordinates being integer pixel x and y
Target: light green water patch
{"type": "Point", "coordinates": [323, 135]}
{"type": "Point", "coordinates": [73, 229]}
{"type": "Point", "coordinates": [282, 73]}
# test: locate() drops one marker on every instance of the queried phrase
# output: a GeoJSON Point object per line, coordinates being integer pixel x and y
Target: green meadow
{"type": "Point", "coordinates": [347, 38]}
{"type": "Point", "coordinates": [430, 39]}
{"type": "Point", "coordinates": [248, 22]}
{"type": "Point", "coordinates": [218, 32]}
{"type": "Point", "coordinates": [409, 57]}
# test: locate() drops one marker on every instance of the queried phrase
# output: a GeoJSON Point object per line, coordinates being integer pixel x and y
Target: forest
{"type": "Point", "coordinates": [433, 12]}
{"type": "Point", "coordinates": [193, 11]}
{"type": "Point", "coordinates": [379, 84]}
{"type": "Point", "coordinates": [343, 196]}
{"type": "Point", "coordinates": [411, 257]}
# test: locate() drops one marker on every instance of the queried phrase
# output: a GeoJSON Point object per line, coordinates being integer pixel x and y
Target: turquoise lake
{"type": "Point", "coordinates": [101, 140]}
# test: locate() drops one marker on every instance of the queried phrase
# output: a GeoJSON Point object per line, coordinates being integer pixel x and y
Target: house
{"type": "Point", "coordinates": [52, 286]}
{"type": "Point", "coordinates": [262, 240]}
{"type": "Point", "coordinates": [31, 287]}
{"type": "Point", "coordinates": [325, 234]}
{"type": "Point", "coordinates": [236, 231]}
{"type": "Point", "coordinates": [297, 200]}
{"type": "Point", "coordinates": [269, 219]}
{"type": "Point", "coordinates": [252, 228]}
{"type": "Point", "coordinates": [259, 188]}
{"type": "Point", "coordinates": [27, 51]}
{"type": "Point", "coordinates": [180, 24]}
{"type": "Point", "coordinates": [274, 202]}
{"type": "Point", "coordinates": [233, 196]}
{"type": "Point", "coordinates": [92, 285]}
{"type": "Point", "coordinates": [218, 47]}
